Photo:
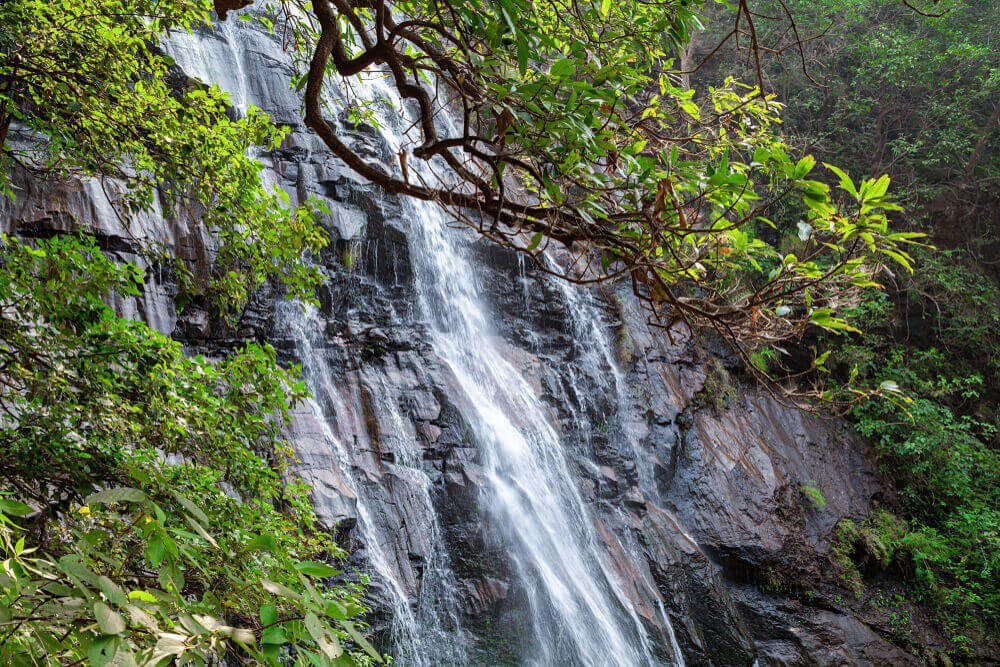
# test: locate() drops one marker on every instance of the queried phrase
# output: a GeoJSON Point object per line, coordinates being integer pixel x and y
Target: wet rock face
{"type": "Point", "coordinates": [697, 502]}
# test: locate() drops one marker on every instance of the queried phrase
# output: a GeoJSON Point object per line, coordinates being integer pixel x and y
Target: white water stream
{"type": "Point", "coordinates": [531, 496]}
{"type": "Point", "coordinates": [578, 612]}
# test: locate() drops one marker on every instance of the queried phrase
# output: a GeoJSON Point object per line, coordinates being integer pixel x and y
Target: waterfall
{"type": "Point", "coordinates": [424, 617]}
{"type": "Point", "coordinates": [598, 357]}
{"type": "Point", "coordinates": [423, 630]}
{"type": "Point", "coordinates": [533, 506]}
{"type": "Point", "coordinates": [530, 494]}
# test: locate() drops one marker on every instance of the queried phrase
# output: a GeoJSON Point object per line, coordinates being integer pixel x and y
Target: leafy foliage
{"type": "Point", "coordinates": [192, 521]}
{"type": "Point", "coordinates": [879, 88]}
{"type": "Point", "coordinates": [913, 95]}
{"type": "Point", "coordinates": [942, 447]}
{"type": "Point", "coordinates": [140, 584]}
{"type": "Point", "coordinates": [86, 386]}
{"type": "Point", "coordinates": [86, 92]}
{"type": "Point", "coordinates": [577, 127]}
{"type": "Point", "coordinates": [145, 513]}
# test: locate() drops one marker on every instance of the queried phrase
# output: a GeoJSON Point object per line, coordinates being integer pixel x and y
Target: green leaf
{"type": "Point", "coordinates": [845, 181]}
{"type": "Point", "coordinates": [329, 646]}
{"type": "Point", "coordinates": [876, 189]}
{"type": "Point", "coordinates": [119, 495]}
{"type": "Point", "coordinates": [193, 509]}
{"type": "Point", "coordinates": [108, 620]}
{"type": "Point", "coordinates": [268, 614]}
{"type": "Point", "coordinates": [804, 166]}
{"type": "Point", "coordinates": [360, 640]}
{"type": "Point", "coordinates": [535, 240]}
{"type": "Point", "coordinates": [71, 565]}
{"type": "Point", "coordinates": [263, 542]}
{"type": "Point", "coordinates": [112, 591]}
{"type": "Point", "coordinates": [102, 650]}
{"type": "Point", "coordinates": [691, 108]}
{"type": "Point", "coordinates": [156, 550]}
{"type": "Point", "coordinates": [563, 68]}
{"type": "Point", "coordinates": [510, 14]}
{"type": "Point", "coordinates": [522, 52]}
{"type": "Point", "coordinates": [14, 507]}
{"type": "Point", "coordinates": [274, 635]}
{"type": "Point", "coordinates": [144, 596]}
{"type": "Point", "coordinates": [314, 569]}
{"type": "Point", "coordinates": [335, 610]}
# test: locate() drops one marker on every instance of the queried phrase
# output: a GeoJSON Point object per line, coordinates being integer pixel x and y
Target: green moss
{"type": "Point", "coordinates": [774, 581]}
{"type": "Point", "coordinates": [842, 555]}
{"type": "Point", "coordinates": [874, 542]}
{"type": "Point", "coordinates": [763, 359]}
{"type": "Point", "coordinates": [718, 389]}
{"type": "Point", "coordinates": [814, 495]}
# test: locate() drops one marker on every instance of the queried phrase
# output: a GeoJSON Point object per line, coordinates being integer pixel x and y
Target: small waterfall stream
{"type": "Point", "coordinates": [598, 358]}
{"type": "Point", "coordinates": [423, 630]}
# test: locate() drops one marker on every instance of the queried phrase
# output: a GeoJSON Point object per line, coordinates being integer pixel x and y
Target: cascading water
{"type": "Point", "coordinates": [579, 614]}
{"type": "Point", "coordinates": [597, 358]}
{"type": "Point", "coordinates": [530, 491]}
{"type": "Point", "coordinates": [423, 630]}
{"type": "Point", "coordinates": [531, 496]}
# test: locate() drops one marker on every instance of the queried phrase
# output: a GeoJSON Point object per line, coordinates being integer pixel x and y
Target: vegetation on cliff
{"type": "Point", "coordinates": [917, 96]}
{"type": "Point", "coordinates": [144, 509]}
{"type": "Point", "coordinates": [144, 514]}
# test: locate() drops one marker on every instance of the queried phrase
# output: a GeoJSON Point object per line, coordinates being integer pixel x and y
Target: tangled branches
{"type": "Point", "coordinates": [572, 125]}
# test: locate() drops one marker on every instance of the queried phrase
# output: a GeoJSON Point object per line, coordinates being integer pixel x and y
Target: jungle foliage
{"type": "Point", "coordinates": [575, 126]}
{"type": "Point", "coordinates": [145, 514]}
{"type": "Point", "coordinates": [917, 95]}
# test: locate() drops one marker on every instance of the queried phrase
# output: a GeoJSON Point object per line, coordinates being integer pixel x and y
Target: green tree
{"type": "Point", "coordinates": [153, 484]}
{"type": "Point", "coordinates": [144, 511]}
{"type": "Point", "coordinates": [914, 95]}
{"type": "Point", "coordinates": [85, 92]}
{"type": "Point", "coordinates": [573, 125]}
{"type": "Point", "coordinates": [917, 95]}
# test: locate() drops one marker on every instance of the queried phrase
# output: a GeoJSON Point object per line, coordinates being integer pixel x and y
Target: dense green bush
{"type": "Point", "coordinates": [144, 513]}
{"type": "Point", "coordinates": [941, 448]}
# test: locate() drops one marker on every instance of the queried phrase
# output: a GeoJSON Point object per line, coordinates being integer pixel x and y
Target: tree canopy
{"type": "Point", "coordinates": [573, 124]}
{"type": "Point", "coordinates": [85, 92]}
